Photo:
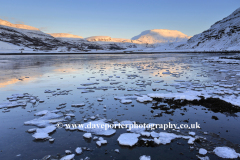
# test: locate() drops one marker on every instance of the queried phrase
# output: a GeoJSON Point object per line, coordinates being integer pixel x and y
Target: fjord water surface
{"type": "Point", "coordinates": [108, 76]}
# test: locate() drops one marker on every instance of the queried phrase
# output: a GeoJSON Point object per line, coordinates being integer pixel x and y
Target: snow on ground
{"type": "Point", "coordinates": [8, 46]}
{"type": "Point", "coordinates": [222, 35]}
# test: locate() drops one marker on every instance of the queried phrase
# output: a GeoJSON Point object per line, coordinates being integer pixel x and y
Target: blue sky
{"type": "Point", "coordinates": [116, 18]}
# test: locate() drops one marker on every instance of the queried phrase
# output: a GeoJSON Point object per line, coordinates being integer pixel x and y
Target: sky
{"type": "Point", "coordinates": [116, 18]}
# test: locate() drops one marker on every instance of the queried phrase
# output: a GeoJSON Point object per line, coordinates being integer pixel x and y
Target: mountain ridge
{"type": "Point", "coordinates": [161, 36]}
{"type": "Point", "coordinates": [222, 35]}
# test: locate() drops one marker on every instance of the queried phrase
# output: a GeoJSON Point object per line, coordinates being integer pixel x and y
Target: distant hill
{"type": "Point", "coordinates": [64, 35]}
{"type": "Point", "coordinates": [161, 36]}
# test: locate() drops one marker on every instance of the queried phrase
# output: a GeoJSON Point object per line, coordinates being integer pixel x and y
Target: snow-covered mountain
{"type": "Point", "coordinates": [22, 37]}
{"type": "Point", "coordinates": [222, 35]}
{"type": "Point", "coordinates": [64, 35]}
{"type": "Point", "coordinates": [161, 36]}
{"type": "Point", "coordinates": [99, 38]}
{"type": "Point", "coordinates": [7, 27]}
{"type": "Point", "coordinates": [26, 36]}
{"type": "Point", "coordinates": [110, 39]}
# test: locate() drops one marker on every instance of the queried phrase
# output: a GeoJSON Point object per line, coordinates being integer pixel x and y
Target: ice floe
{"type": "Point", "coordinates": [128, 139]}
{"type": "Point", "coordinates": [97, 127]}
{"type": "Point", "coordinates": [202, 151]}
{"type": "Point", "coordinates": [78, 150]}
{"type": "Point", "coordinates": [165, 138]}
{"type": "Point", "coordinates": [144, 98]}
{"type": "Point", "coordinates": [68, 157]}
{"type": "Point", "coordinates": [101, 141]}
{"type": "Point", "coordinates": [78, 105]}
{"type": "Point", "coordinates": [46, 120]}
{"type": "Point", "coordinates": [43, 133]}
{"type": "Point", "coordinates": [226, 152]}
{"type": "Point", "coordinates": [87, 135]}
{"type": "Point", "coordinates": [144, 157]}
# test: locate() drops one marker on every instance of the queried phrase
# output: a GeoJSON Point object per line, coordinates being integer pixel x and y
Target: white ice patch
{"type": "Point", "coordinates": [154, 134]}
{"type": "Point", "coordinates": [192, 133]}
{"type": "Point", "coordinates": [165, 138]}
{"type": "Point", "coordinates": [46, 120]}
{"type": "Point", "coordinates": [191, 140]}
{"type": "Point", "coordinates": [32, 130]}
{"type": "Point", "coordinates": [128, 139]}
{"type": "Point", "coordinates": [144, 157]}
{"type": "Point", "coordinates": [43, 133]}
{"type": "Point", "coordinates": [203, 158]}
{"type": "Point", "coordinates": [136, 129]}
{"type": "Point", "coordinates": [13, 104]}
{"type": "Point", "coordinates": [188, 95]}
{"type": "Point", "coordinates": [225, 95]}
{"type": "Point", "coordinates": [126, 122]}
{"type": "Point", "coordinates": [41, 113]}
{"type": "Point", "coordinates": [147, 134]}
{"type": "Point", "coordinates": [78, 150]}
{"type": "Point", "coordinates": [87, 135]}
{"type": "Point", "coordinates": [144, 98]}
{"type": "Point", "coordinates": [226, 152]}
{"type": "Point", "coordinates": [202, 151]}
{"type": "Point", "coordinates": [97, 127]}
{"type": "Point", "coordinates": [78, 105]}
{"type": "Point", "coordinates": [101, 141]}
{"type": "Point", "coordinates": [125, 101]}
{"type": "Point", "coordinates": [68, 157]}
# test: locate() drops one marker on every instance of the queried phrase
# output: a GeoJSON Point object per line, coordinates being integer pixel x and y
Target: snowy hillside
{"type": "Point", "coordinates": [64, 35]}
{"type": "Point", "coordinates": [29, 31]}
{"type": "Point", "coordinates": [110, 39]}
{"type": "Point", "coordinates": [99, 38]}
{"type": "Point", "coordinates": [26, 36]}
{"type": "Point", "coordinates": [161, 36]}
{"type": "Point", "coordinates": [22, 38]}
{"type": "Point", "coordinates": [223, 35]}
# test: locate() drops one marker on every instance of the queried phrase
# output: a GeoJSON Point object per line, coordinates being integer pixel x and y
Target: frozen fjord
{"type": "Point", "coordinates": [112, 89]}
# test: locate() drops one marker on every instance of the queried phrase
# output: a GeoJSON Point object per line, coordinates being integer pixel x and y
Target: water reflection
{"type": "Point", "coordinates": [35, 74]}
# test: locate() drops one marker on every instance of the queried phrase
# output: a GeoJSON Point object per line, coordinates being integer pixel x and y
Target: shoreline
{"type": "Point", "coordinates": [66, 53]}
